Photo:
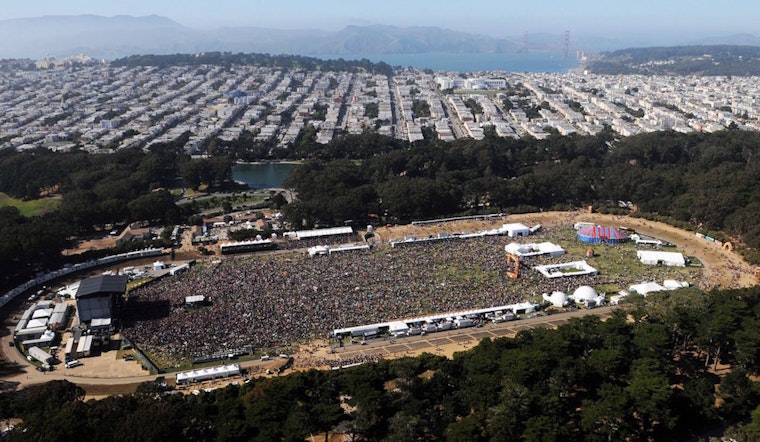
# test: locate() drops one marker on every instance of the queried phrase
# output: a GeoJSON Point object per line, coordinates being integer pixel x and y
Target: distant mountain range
{"type": "Point", "coordinates": [735, 60]}
{"type": "Point", "coordinates": [113, 37]}
{"type": "Point", "coordinates": [119, 36]}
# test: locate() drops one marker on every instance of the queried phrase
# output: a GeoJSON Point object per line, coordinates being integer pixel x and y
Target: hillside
{"type": "Point", "coordinates": [119, 36]}
{"type": "Point", "coordinates": [99, 37]}
{"type": "Point", "coordinates": [681, 60]}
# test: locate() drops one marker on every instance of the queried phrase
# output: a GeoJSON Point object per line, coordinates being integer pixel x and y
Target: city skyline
{"type": "Point", "coordinates": [648, 19]}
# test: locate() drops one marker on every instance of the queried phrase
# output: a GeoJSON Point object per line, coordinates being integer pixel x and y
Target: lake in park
{"type": "Point", "coordinates": [262, 175]}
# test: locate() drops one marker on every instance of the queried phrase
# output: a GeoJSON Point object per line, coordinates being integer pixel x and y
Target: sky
{"type": "Point", "coordinates": [498, 18]}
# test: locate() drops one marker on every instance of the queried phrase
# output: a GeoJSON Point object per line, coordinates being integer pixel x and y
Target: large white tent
{"type": "Point", "coordinates": [556, 299]}
{"type": "Point", "coordinates": [587, 296]}
{"type": "Point", "coordinates": [317, 233]}
{"type": "Point", "coordinates": [672, 284]}
{"type": "Point", "coordinates": [575, 268]}
{"type": "Point", "coordinates": [543, 248]}
{"type": "Point", "coordinates": [204, 374]}
{"type": "Point", "coordinates": [651, 257]}
{"type": "Point", "coordinates": [645, 288]}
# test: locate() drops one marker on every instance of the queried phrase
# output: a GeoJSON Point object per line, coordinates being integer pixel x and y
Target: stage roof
{"type": "Point", "coordinates": [103, 284]}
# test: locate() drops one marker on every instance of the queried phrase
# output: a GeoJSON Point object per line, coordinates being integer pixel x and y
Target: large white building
{"type": "Point", "coordinates": [470, 83]}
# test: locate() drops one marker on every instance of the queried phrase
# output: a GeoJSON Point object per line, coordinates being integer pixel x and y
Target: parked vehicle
{"type": "Point", "coordinates": [74, 363]}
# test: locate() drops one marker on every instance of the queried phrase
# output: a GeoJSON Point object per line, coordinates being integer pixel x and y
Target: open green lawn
{"type": "Point", "coordinates": [30, 208]}
{"type": "Point", "coordinates": [619, 260]}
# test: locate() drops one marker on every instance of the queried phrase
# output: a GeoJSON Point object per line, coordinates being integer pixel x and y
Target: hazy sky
{"type": "Point", "coordinates": [500, 18]}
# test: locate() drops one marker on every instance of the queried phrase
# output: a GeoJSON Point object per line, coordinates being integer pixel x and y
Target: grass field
{"type": "Point", "coordinates": [30, 208]}
{"type": "Point", "coordinates": [613, 260]}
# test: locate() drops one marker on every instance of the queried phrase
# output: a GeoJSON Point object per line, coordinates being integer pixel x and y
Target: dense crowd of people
{"type": "Point", "coordinates": [273, 300]}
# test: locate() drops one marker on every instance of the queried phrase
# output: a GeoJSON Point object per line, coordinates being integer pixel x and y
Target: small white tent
{"type": "Point", "coordinates": [557, 299]}
{"type": "Point", "coordinates": [515, 229]}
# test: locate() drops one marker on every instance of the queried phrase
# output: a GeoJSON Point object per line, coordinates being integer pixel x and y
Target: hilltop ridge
{"type": "Point", "coordinates": [119, 36]}
{"type": "Point", "coordinates": [123, 35]}
{"type": "Point", "coordinates": [739, 60]}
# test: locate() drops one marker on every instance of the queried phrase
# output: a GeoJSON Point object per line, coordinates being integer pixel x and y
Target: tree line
{"type": "Point", "coordinates": [95, 191]}
{"type": "Point", "coordinates": [697, 181]}
{"type": "Point", "coordinates": [283, 61]}
{"type": "Point", "coordinates": [646, 373]}
{"type": "Point", "coordinates": [707, 60]}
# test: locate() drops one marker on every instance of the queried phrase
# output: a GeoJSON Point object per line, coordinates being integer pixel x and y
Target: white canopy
{"type": "Point", "coordinates": [666, 258]}
{"type": "Point", "coordinates": [42, 313]}
{"type": "Point", "coordinates": [37, 323]}
{"type": "Point", "coordinates": [194, 299]}
{"type": "Point", "coordinates": [208, 373]}
{"type": "Point", "coordinates": [646, 288]}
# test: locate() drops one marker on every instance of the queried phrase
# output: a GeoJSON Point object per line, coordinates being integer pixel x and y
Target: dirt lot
{"type": "Point", "coordinates": [105, 242]}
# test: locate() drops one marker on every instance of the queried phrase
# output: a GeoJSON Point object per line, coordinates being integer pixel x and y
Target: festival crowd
{"type": "Point", "coordinates": [275, 300]}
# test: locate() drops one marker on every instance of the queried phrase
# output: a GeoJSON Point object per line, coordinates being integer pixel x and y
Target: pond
{"type": "Point", "coordinates": [262, 175]}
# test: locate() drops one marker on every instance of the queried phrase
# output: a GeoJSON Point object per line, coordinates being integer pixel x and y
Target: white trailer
{"type": "Point", "coordinates": [40, 355]}
{"type": "Point", "coordinates": [445, 325]}
{"type": "Point", "coordinates": [582, 225]}
{"type": "Point", "coordinates": [464, 322]}
{"type": "Point", "coordinates": [429, 328]}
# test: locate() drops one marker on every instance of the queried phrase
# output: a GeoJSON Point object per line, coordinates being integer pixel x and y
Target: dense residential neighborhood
{"type": "Point", "coordinates": [101, 107]}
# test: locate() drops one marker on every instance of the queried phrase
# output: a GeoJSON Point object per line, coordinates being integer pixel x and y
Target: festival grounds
{"type": "Point", "coordinates": [316, 297]}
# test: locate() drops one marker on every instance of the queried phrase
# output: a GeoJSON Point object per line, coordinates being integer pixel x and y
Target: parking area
{"type": "Point", "coordinates": [105, 365]}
